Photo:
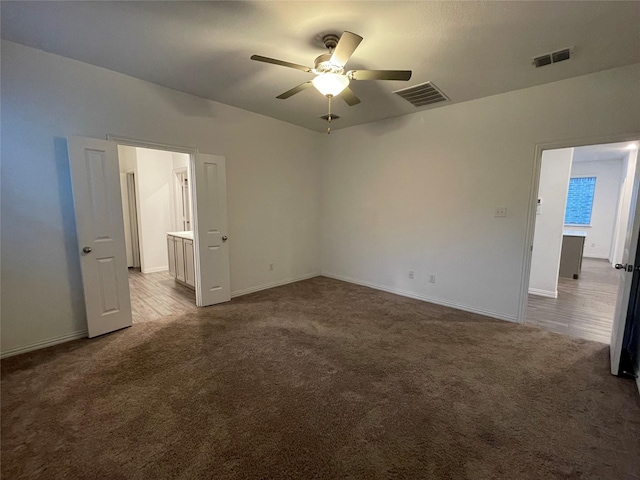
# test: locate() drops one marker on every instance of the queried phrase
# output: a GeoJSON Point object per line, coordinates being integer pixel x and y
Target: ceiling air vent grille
{"type": "Point", "coordinates": [553, 57]}
{"type": "Point", "coordinates": [423, 94]}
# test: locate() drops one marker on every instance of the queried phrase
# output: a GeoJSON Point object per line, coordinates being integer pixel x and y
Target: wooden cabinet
{"type": "Point", "coordinates": [181, 259]}
{"type": "Point", "coordinates": [171, 250]}
{"type": "Point", "coordinates": [189, 265]}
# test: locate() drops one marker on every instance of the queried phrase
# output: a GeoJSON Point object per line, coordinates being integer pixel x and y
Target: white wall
{"type": "Point", "coordinates": [547, 240]}
{"type": "Point", "coordinates": [418, 192]}
{"type": "Point", "coordinates": [272, 183]}
{"type": "Point", "coordinates": [180, 160]}
{"type": "Point", "coordinates": [155, 195]}
{"type": "Point", "coordinates": [622, 218]}
{"type": "Point", "coordinates": [606, 197]}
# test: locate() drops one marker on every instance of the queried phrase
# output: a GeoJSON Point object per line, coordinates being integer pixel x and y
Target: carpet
{"type": "Point", "coordinates": [320, 379]}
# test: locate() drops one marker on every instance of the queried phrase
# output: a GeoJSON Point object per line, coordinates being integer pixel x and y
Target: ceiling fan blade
{"type": "Point", "coordinates": [379, 75]}
{"type": "Point", "coordinates": [346, 46]}
{"type": "Point", "coordinates": [294, 90]}
{"type": "Point", "coordinates": [260, 58]}
{"type": "Point", "coordinates": [349, 97]}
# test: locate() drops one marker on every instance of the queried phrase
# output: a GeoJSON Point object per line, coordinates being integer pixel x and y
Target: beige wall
{"type": "Point", "coordinates": [419, 192]}
{"type": "Point", "coordinates": [271, 179]}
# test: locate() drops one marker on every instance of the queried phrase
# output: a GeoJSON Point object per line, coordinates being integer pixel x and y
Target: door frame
{"type": "Point", "coordinates": [191, 151]}
{"type": "Point", "coordinates": [533, 200]}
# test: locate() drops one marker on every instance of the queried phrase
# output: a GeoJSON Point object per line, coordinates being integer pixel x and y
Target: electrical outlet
{"type": "Point", "coordinates": [432, 279]}
{"type": "Point", "coordinates": [593, 245]}
{"type": "Point", "coordinates": [500, 212]}
{"type": "Point", "coordinates": [411, 274]}
{"type": "Point", "coordinates": [271, 267]}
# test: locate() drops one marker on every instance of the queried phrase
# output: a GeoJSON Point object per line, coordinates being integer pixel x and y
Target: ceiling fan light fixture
{"type": "Point", "coordinates": [330, 84]}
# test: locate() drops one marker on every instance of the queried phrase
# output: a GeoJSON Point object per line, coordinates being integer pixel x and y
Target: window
{"type": "Point", "coordinates": [580, 201]}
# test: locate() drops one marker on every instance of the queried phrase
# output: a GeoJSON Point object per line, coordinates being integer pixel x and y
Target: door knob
{"type": "Point", "coordinates": [626, 266]}
{"type": "Point", "coordinates": [224, 238]}
{"type": "Point", "coordinates": [87, 249]}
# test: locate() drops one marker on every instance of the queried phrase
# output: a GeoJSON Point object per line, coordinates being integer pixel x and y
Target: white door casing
{"type": "Point", "coordinates": [95, 180]}
{"type": "Point", "coordinates": [213, 283]}
{"type": "Point", "coordinates": [624, 286]}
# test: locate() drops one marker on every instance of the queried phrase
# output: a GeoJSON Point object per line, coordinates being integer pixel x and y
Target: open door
{"type": "Point", "coordinates": [213, 283]}
{"type": "Point", "coordinates": [95, 179]}
{"type": "Point", "coordinates": [627, 270]}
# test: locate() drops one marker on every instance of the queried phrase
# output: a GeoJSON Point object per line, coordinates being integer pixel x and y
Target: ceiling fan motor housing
{"type": "Point", "coordinates": [323, 65]}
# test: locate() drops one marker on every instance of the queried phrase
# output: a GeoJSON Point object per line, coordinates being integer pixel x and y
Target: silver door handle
{"type": "Point", "coordinates": [626, 267]}
{"type": "Point", "coordinates": [224, 238]}
{"type": "Point", "coordinates": [87, 249]}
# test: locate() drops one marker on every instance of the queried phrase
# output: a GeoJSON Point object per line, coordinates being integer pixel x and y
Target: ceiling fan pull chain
{"type": "Point", "coordinates": [329, 116]}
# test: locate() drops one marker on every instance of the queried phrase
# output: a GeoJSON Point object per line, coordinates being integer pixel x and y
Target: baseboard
{"type": "Point", "coordinates": [266, 286]}
{"type": "Point", "coordinates": [44, 343]}
{"type": "Point", "coordinates": [424, 298]}
{"type": "Point", "coordinates": [156, 269]}
{"type": "Point", "coordinates": [638, 383]}
{"type": "Point", "coordinates": [543, 293]}
{"type": "Point", "coordinates": [596, 257]}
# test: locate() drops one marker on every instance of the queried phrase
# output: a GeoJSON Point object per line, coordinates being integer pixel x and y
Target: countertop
{"type": "Point", "coordinates": [187, 235]}
{"type": "Point", "coordinates": [574, 233]}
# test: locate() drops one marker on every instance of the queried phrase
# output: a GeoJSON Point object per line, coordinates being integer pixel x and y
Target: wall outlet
{"type": "Point", "coordinates": [411, 274]}
{"type": "Point", "coordinates": [432, 279]}
{"type": "Point", "coordinates": [500, 212]}
{"type": "Point", "coordinates": [271, 267]}
{"type": "Point", "coordinates": [593, 245]}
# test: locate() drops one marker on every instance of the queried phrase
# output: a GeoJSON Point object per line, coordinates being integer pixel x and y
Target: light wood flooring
{"type": "Point", "coordinates": [156, 295]}
{"type": "Point", "coordinates": [584, 307]}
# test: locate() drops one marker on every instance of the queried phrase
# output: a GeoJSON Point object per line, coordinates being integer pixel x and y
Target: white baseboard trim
{"type": "Point", "coordinates": [44, 343]}
{"type": "Point", "coordinates": [638, 383]}
{"type": "Point", "coordinates": [156, 269]}
{"type": "Point", "coordinates": [424, 298]}
{"type": "Point", "coordinates": [266, 286]}
{"type": "Point", "coordinates": [543, 293]}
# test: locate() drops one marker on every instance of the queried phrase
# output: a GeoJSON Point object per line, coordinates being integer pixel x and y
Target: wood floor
{"type": "Point", "coordinates": [156, 295]}
{"type": "Point", "coordinates": [584, 307]}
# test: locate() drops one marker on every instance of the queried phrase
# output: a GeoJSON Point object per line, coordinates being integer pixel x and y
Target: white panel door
{"type": "Point", "coordinates": [95, 180]}
{"type": "Point", "coordinates": [213, 283]}
{"type": "Point", "coordinates": [626, 275]}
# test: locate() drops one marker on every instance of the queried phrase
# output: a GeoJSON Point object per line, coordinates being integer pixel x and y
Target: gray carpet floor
{"type": "Point", "coordinates": [320, 380]}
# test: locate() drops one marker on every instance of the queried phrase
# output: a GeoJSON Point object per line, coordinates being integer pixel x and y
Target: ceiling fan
{"type": "Point", "coordinates": [331, 79]}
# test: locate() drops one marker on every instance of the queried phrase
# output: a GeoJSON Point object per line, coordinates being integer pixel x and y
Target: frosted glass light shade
{"type": "Point", "coordinates": [330, 83]}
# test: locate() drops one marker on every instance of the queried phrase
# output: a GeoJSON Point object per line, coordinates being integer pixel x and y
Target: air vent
{"type": "Point", "coordinates": [326, 117]}
{"type": "Point", "coordinates": [561, 55]}
{"type": "Point", "coordinates": [423, 94]}
{"type": "Point", "coordinates": [542, 61]}
{"type": "Point", "coordinates": [553, 57]}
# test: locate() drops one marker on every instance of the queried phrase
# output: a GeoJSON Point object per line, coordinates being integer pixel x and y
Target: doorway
{"type": "Point", "coordinates": [156, 206]}
{"type": "Point", "coordinates": [582, 220]}
{"type": "Point", "coordinates": [98, 200]}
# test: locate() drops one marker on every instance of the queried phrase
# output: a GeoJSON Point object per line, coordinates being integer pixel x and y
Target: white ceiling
{"type": "Point", "coordinates": [607, 151]}
{"type": "Point", "coordinates": [468, 49]}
